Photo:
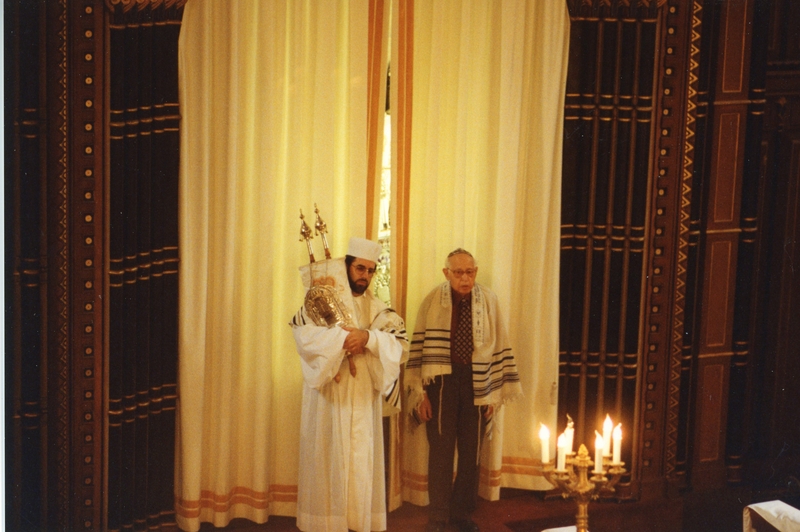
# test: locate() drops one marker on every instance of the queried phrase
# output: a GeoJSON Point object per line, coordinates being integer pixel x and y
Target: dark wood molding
{"type": "Point", "coordinates": [672, 194]}
{"type": "Point", "coordinates": [614, 9]}
{"type": "Point", "coordinates": [56, 172]}
{"type": "Point", "coordinates": [86, 132]}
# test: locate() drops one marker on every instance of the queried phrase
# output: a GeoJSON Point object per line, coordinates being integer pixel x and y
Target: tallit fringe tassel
{"type": "Point", "coordinates": [441, 394]}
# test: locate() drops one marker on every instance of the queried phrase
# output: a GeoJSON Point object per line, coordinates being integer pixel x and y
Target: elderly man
{"type": "Point", "coordinates": [347, 371]}
{"type": "Point", "coordinates": [461, 366]}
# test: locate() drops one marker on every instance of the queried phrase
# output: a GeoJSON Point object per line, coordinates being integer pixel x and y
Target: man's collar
{"type": "Point", "coordinates": [458, 298]}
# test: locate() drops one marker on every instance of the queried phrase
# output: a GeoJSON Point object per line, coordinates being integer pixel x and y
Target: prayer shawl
{"type": "Point", "coordinates": [494, 371]}
{"type": "Point", "coordinates": [341, 475]}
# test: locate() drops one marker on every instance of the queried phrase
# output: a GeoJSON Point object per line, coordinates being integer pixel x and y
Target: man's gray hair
{"type": "Point", "coordinates": [459, 251]}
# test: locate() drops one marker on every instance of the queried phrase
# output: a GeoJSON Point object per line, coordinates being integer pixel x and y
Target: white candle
{"type": "Point", "coordinates": [608, 425]}
{"type": "Point", "coordinates": [569, 435]}
{"type": "Point", "coordinates": [561, 460]}
{"type": "Point", "coordinates": [617, 444]}
{"type": "Point", "coordinates": [598, 452]}
{"type": "Point", "coordinates": [544, 436]}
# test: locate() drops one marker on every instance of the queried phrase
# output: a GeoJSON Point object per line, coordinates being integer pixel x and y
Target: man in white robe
{"type": "Point", "coordinates": [347, 373]}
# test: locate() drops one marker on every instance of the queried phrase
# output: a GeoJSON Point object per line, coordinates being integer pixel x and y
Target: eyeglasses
{"type": "Point", "coordinates": [460, 273]}
{"type": "Point", "coordinates": [360, 268]}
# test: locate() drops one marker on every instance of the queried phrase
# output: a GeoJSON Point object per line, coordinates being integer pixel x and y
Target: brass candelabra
{"type": "Point", "coordinates": [575, 482]}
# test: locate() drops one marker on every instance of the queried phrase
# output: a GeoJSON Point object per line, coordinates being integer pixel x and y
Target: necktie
{"type": "Point", "coordinates": [462, 339]}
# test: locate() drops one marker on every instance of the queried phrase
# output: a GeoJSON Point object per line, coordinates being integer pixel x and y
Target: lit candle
{"type": "Point", "coordinates": [617, 444]}
{"type": "Point", "coordinates": [608, 425]}
{"type": "Point", "coordinates": [569, 435]}
{"type": "Point", "coordinates": [561, 460]}
{"type": "Point", "coordinates": [599, 445]}
{"type": "Point", "coordinates": [544, 436]}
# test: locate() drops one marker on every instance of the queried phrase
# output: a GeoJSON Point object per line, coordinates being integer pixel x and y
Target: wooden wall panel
{"type": "Point", "coordinates": [26, 274]}
{"type": "Point", "coordinates": [773, 444]}
{"type": "Point", "coordinates": [734, 45]}
{"type": "Point", "coordinates": [710, 408]}
{"type": "Point", "coordinates": [56, 142]}
{"type": "Point", "coordinates": [142, 179]}
{"type": "Point", "coordinates": [39, 416]}
{"type": "Point", "coordinates": [720, 269]}
{"type": "Point", "coordinates": [608, 118]}
{"type": "Point", "coordinates": [635, 373]}
{"type": "Point", "coordinates": [726, 168]}
{"type": "Point", "coordinates": [786, 394]}
{"type": "Point", "coordinates": [728, 85]}
{"type": "Point", "coordinates": [707, 471]}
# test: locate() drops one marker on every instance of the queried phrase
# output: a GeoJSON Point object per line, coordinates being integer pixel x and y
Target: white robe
{"type": "Point", "coordinates": [341, 482]}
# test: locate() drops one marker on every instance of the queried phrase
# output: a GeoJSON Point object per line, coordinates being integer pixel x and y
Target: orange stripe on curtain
{"type": "Point", "coordinates": [376, 92]}
{"type": "Point", "coordinates": [238, 495]}
{"type": "Point", "coordinates": [401, 156]}
{"type": "Point", "coordinates": [415, 482]}
{"type": "Point", "coordinates": [522, 466]}
{"type": "Point", "coordinates": [491, 477]}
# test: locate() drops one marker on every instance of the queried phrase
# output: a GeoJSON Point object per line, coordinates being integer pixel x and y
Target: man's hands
{"type": "Point", "coordinates": [356, 341]}
{"type": "Point", "coordinates": [424, 409]}
{"type": "Point", "coordinates": [354, 344]}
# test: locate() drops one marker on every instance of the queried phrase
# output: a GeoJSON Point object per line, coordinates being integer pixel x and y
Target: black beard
{"type": "Point", "coordinates": [356, 288]}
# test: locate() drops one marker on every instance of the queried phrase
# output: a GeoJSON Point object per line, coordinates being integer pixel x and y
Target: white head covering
{"type": "Point", "coordinates": [364, 249]}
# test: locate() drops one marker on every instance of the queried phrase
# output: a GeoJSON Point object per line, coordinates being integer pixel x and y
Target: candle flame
{"type": "Point", "coordinates": [618, 432]}
{"type": "Point", "coordinates": [608, 424]}
{"type": "Point", "coordinates": [598, 440]}
{"type": "Point", "coordinates": [544, 432]}
{"type": "Point", "coordinates": [562, 440]}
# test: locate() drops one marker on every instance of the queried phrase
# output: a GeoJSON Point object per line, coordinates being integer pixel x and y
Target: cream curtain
{"type": "Point", "coordinates": [274, 99]}
{"type": "Point", "coordinates": [485, 167]}
{"type": "Point", "coordinates": [278, 108]}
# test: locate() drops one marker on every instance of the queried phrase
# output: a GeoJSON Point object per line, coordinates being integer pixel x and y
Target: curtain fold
{"type": "Point", "coordinates": [484, 174]}
{"type": "Point", "coordinates": [143, 274]}
{"type": "Point", "coordinates": [378, 60]}
{"type": "Point", "coordinates": [274, 100]}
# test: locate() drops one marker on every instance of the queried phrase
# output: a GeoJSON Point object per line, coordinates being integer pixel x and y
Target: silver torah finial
{"type": "Point", "coordinates": [321, 229]}
{"type": "Point", "coordinates": [305, 234]}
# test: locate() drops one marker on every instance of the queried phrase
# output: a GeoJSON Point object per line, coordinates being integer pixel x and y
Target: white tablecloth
{"type": "Point", "coordinates": [770, 516]}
